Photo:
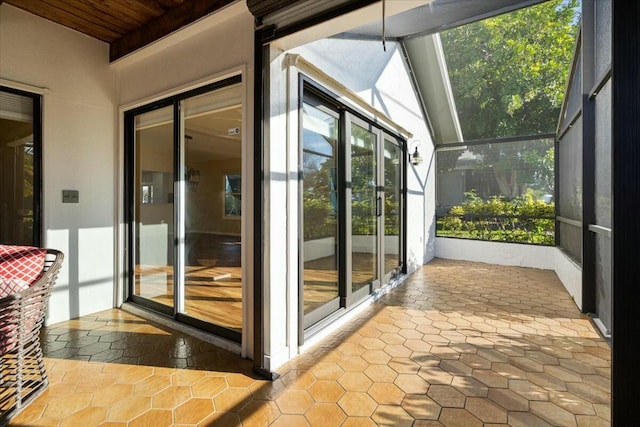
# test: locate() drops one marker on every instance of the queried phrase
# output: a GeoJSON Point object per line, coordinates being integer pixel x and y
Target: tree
{"type": "Point", "coordinates": [508, 76]}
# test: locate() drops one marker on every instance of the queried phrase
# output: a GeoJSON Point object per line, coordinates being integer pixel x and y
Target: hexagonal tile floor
{"type": "Point", "coordinates": [458, 344]}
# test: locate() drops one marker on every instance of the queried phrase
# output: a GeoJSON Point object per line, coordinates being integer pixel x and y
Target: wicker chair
{"type": "Point", "coordinates": [22, 372]}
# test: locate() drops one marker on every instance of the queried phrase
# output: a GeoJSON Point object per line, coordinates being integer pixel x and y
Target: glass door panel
{"type": "Point", "coordinates": [154, 207]}
{"type": "Point", "coordinates": [213, 208]}
{"type": "Point", "coordinates": [18, 218]}
{"type": "Point", "coordinates": [320, 211]}
{"type": "Point", "coordinates": [392, 207]}
{"type": "Point", "coordinates": [365, 209]}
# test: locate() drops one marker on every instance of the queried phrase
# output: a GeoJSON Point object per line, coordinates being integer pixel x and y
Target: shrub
{"type": "Point", "coordinates": [521, 220]}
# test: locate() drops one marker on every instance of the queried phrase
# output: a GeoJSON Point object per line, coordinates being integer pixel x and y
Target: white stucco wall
{"type": "Point", "coordinates": [78, 151]}
{"type": "Point", "coordinates": [218, 44]}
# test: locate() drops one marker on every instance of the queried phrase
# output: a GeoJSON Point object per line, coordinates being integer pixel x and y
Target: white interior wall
{"type": "Point", "coordinates": [78, 151]}
{"type": "Point", "coordinates": [216, 47]}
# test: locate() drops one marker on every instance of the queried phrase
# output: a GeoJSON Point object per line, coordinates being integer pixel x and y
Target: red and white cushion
{"type": "Point", "coordinates": [20, 267]}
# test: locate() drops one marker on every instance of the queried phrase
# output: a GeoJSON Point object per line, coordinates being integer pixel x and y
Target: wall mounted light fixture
{"type": "Point", "coordinates": [193, 178]}
{"type": "Point", "coordinates": [415, 158]}
{"type": "Point", "coordinates": [193, 174]}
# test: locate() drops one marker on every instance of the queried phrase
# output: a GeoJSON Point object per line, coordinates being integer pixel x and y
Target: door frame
{"type": "Point", "coordinates": [174, 312]}
{"type": "Point", "coordinates": [37, 101]}
{"type": "Point", "coordinates": [311, 323]}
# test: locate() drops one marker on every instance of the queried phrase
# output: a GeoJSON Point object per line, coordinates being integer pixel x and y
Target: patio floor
{"type": "Point", "coordinates": [458, 344]}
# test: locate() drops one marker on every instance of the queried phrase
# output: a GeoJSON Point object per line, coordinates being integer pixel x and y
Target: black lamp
{"type": "Point", "coordinates": [415, 158]}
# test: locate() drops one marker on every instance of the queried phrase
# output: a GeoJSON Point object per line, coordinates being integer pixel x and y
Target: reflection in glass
{"type": "Point", "coordinates": [154, 215]}
{"type": "Point", "coordinates": [392, 211]}
{"type": "Point", "coordinates": [320, 207]}
{"type": "Point", "coordinates": [364, 218]}
{"type": "Point", "coordinates": [232, 194]}
{"type": "Point", "coordinates": [213, 217]}
{"type": "Point", "coordinates": [16, 170]}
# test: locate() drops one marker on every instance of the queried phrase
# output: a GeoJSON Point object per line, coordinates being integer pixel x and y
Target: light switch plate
{"type": "Point", "coordinates": [70, 196]}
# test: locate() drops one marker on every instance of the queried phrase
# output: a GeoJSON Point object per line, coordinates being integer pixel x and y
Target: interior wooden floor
{"type": "Point", "coordinates": [213, 280]}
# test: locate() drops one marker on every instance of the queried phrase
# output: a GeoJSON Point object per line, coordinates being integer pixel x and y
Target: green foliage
{"type": "Point", "coordinates": [521, 220]}
{"type": "Point", "coordinates": [320, 220]}
{"type": "Point", "coordinates": [508, 73]}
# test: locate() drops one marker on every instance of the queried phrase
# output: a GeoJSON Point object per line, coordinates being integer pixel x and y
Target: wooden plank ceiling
{"type": "Point", "coordinates": [126, 25]}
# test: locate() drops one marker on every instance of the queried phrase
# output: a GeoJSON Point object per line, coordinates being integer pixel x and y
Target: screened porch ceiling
{"type": "Point", "coordinates": [130, 25]}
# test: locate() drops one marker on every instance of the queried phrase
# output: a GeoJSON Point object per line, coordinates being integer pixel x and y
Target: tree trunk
{"type": "Point", "coordinates": [507, 182]}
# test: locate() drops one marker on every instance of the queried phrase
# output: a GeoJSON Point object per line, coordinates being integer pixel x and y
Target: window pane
{"type": "Point", "coordinates": [233, 183]}
{"type": "Point", "coordinates": [16, 169]}
{"type": "Point", "coordinates": [213, 242]}
{"type": "Point", "coordinates": [392, 206]}
{"type": "Point", "coordinates": [154, 210]}
{"type": "Point", "coordinates": [320, 207]}
{"type": "Point", "coordinates": [364, 220]}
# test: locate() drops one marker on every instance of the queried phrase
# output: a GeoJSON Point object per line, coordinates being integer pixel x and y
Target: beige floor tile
{"type": "Point", "coordinates": [258, 413]}
{"type": "Point", "coordinates": [486, 410]}
{"type": "Point", "coordinates": [208, 387]}
{"type": "Point", "coordinates": [171, 397]}
{"type": "Point", "coordinates": [357, 404]}
{"type": "Point", "coordinates": [386, 394]}
{"type": "Point", "coordinates": [358, 422]}
{"type": "Point", "coordinates": [470, 386]}
{"type": "Point", "coordinates": [222, 419]}
{"type": "Point", "coordinates": [355, 381]}
{"type": "Point", "coordinates": [153, 417]}
{"type": "Point", "coordinates": [112, 394]}
{"type": "Point", "coordinates": [193, 411]}
{"type": "Point", "coordinates": [298, 380]}
{"type": "Point", "coordinates": [231, 399]}
{"type": "Point", "coordinates": [388, 415]}
{"type": "Point", "coordinates": [128, 409]}
{"type": "Point", "coordinates": [381, 373]}
{"type": "Point", "coordinates": [553, 414]}
{"type": "Point", "coordinates": [447, 396]}
{"type": "Point", "coordinates": [294, 402]}
{"type": "Point", "coordinates": [325, 415]}
{"type": "Point", "coordinates": [326, 391]}
{"type": "Point", "coordinates": [454, 417]}
{"type": "Point", "coordinates": [421, 407]}
{"type": "Point", "coordinates": [503, 345]}
{"type": "Point", "coordinates": [508, 399]}
{"type": "Point", "coordinates": [65, 407]}
{"type": "Point", "coordinates": [287, 420]}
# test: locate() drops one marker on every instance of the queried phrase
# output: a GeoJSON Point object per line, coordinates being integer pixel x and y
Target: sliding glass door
{"type": "Point", "coordinates": [184, 183]}
{"type": "Point", "coordinates": [20, 171]}
{"type": "Point", "coordinates": [154, 207]}
{"type": "Point", "coordinates": [320, 203]}
{"type": "Point", "coordinates": [213, 208]}
{"type": "Point", "coordinates": [392, 199]}
{"type": "Point", "coordinates": [351, 208]}
{"type": "Point", "coordinates": [365, 207]}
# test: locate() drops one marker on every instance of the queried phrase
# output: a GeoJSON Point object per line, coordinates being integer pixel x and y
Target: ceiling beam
{"type": "Point", "coordinates": [172, 20]}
